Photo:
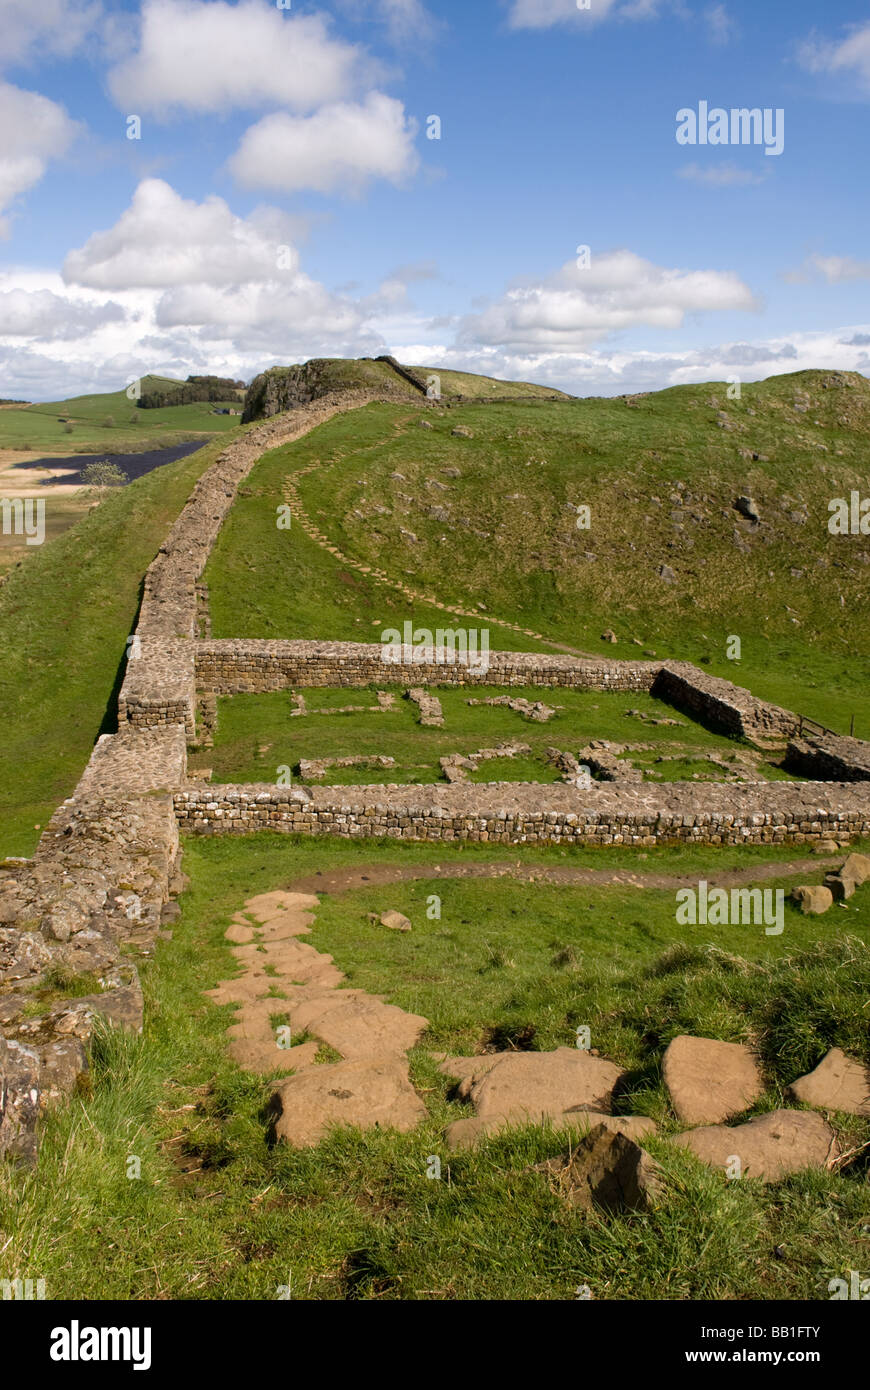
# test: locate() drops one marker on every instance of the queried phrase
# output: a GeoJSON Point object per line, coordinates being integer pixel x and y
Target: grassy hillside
{"type": "Point", "coordinates": [489, 523]}
{"type": "Point", "coordinates": [43, 426]}
{"type": "Point", "coordinates": [65, 615]}
{"type": "Point", "coordinates": [469, 385]}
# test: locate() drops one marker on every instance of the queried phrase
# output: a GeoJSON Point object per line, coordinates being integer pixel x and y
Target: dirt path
{"type": "Point", "coordinates": [378, 875]}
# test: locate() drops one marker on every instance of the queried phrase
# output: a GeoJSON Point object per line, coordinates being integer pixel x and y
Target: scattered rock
{"type": "Point", "coordinates": [667, 574]}
{"type": "Point", "coordinates": [841, 887]}
{"type": "Point", "coordinates": [467, 1133]}
{"type": "Point", "coordinates": [813, 899]}
{"type": "Point", "coordinates": [857, 868]}
{"type": "Point", "coordinates": [462, 432]}
{"type": "Point", "coordinates": [709, 1080]}
{"type": "Point", "coordinates": [609, 636]}
{"type": "Point", "coordinates": [768, 1147]}
{"type": "Point", "coordinates": [607, 1170]}
{"type": "Point", "coordinates": [395, 921]}
{"type": "Point", "coordinates": [748, 508]}
{"type": "Point", "coordinates": [838, 1083]}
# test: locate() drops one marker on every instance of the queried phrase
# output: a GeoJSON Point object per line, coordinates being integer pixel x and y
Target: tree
{"type": "Point", "coordinates": [102, 473]}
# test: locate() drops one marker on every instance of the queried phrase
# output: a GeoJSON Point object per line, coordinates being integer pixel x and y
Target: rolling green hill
{"type": "Point", "coordinates": [108, 421]}
{"type": "Point", "coordinates": [489, 523]}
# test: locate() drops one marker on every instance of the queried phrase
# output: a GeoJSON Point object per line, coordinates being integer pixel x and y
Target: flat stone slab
{"type": "Point", "coordinates": [369, 1094]}
{"type": "Point", "coordinates": [358, 1025]}
{"type": "Point", "coordinates": [467, 1133]}
{"type": "Point", "coordinates": [837, 1083]}
{"type": "Point", "coordinates": [536, 1086]}
{"type": "Point", "coordinates": [769, 1147]}
{"type": "Point", "coordinates": [710, 1080]}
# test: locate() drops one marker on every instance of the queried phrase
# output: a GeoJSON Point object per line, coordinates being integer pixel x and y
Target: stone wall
{"type": "Point", "coordinates": [721, 705]}
{"type": "Point", "coordinates": [512, 813]}
{"type": "Point", "coordinates": [830, 759]}
{"type": "Point", "coordinates": [230, 666]}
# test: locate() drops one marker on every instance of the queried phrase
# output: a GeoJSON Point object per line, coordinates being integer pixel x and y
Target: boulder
{"type": "Point", "coordinates": [837, 1083]}
{"type": "Point", "coordinates": [709, 1080]}
{"type": "Point", "coordinates": [667, 574]}
{"type": "Point", "coordinates": [840, 887]}
{"type": "Point", "coordinates": [371, 1094]}
{"type": "Point", "coordinates": [607, 1170]}
{"type": "Point", "coordinates": [748, 508]}
{"type": "Point", "coordinates": [395, 921]}
{"type": "Point", "coordinates": [813, 899]}
{"type": "Point", "coordinates": [769, 1147]}
{"type": "Point", "coordinates": [462, 432]}
{"type": "Point", "coordinates": [857, 868]}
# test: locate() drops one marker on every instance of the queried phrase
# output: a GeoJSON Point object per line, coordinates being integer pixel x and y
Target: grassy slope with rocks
{"type": "Point", "coordinates": [217, 1214]}
{"type": "Point", "coordinates": [660, 473]}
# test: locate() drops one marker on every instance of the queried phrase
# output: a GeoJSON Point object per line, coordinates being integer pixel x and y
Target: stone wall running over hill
{"type": "Point", "coordinates": [527, 813]}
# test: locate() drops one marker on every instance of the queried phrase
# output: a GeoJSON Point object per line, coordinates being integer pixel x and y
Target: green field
{"type": "Point", "coordinates": [257, 734]}
{"type": "Point", "coordinates": [217, 1214]}
{"type": "Point", "coordinates": [109, 421]}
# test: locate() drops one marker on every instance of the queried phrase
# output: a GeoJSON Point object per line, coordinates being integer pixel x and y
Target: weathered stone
{"type": "Point", "coordinates": [19, 1100]}
{"type": "Point", "coordinates": [768, 1147]}
{"type": "Point", "coordinates": [857, 868]}
{"type": "Point", "coordinates": [370, 1094]}
{"type": "Point", "coordinates": [840, 887]}
{"type": "Point", "coordinates": [609, 1170]}
{"type": "Point", "coordinates": [396, 921]}
{"type": "Point", "coordinates": [22, 954]}
{"type": "Point", "coordinates": [837, 1083]}
{"type": "Point", "coordinates": [813, 899]}
{"type": "Point", "coordinates": [468, 1132]}
{"type": "Point", "coordinates": [709, 1080]}
{"type": "Point", "coordinates": [529, 1087]}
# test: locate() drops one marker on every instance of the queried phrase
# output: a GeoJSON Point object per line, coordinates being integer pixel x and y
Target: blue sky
{"type": "Point", "coordinates": [284, 200]}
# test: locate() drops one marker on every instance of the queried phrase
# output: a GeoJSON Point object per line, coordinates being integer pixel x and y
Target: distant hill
{"type": "Point", "coordinates": [284, 388]}
{"type": "Point", "coordinates": [111, 420]}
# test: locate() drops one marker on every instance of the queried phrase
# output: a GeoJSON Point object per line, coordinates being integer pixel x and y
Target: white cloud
{"type": "Point", "coordinates": [43, 314]}
{"type": "Point", "coordinates": [341, 147]}
{"type": "Point", "coordinates": [621, 372]}
{"type": "Point", "coordinates": [216, 56]}
{"type": "Point", "coordinates": [720, 175]}
{"type": "Point", "coordinates": [848, 55]}
{"type": "Point", "coordinates": [836, 270]}
{"type": "Point", "coordinates": [543, 14]}
{"type": "Point", "coordinates": [163, 239]}
{"type": "Point", "coordinates": [55, 27]}
{"type": "Point", "coordinates": [577, 307]}
{"type": "Point", "coordinates": [405, 20]}
{"type": "Point", "coordinates": [721, 26]}
{"type": "Point", "coordinates": [33, 130]}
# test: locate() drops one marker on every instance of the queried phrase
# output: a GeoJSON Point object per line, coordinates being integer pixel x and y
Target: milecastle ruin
{"type": "Point", "coordinates": [107, 867]}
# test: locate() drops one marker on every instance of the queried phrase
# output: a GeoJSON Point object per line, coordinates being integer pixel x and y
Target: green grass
{"type": "Point", "coordinates": [42, 426]}
{"type": "Point", "coordinates": [65, 616]}
{"type": "Point", "coordinates": [216, 1214]}
{"type": "Point", "coordinates": [804, 634]}
{"type": "Point", "coordinates": [257, 734]}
